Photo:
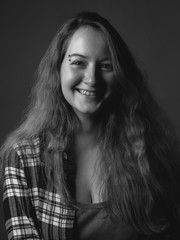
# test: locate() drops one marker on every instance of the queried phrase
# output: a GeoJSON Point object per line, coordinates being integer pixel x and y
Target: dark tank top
{"type": "Point", "coordinates": [92, 222]}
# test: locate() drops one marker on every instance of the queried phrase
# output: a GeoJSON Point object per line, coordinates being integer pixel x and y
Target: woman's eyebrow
{"type": "Point", "coordinates": [106, 58]}
{"type": "Point", "coordinates": [76, 55]}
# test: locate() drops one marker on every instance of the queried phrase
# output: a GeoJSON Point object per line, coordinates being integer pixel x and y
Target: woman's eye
{"type": "Point", "coordinates": [78, 63]}
{"type": "Point", "coordinates": [106, 67]}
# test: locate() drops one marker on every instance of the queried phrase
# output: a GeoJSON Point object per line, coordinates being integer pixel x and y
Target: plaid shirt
{"type": "Point", "coordinates": [31, 212]}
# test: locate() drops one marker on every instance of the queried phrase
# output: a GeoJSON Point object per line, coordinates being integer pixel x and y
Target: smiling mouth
{"type": "Point", "coordinates": [87, 92]}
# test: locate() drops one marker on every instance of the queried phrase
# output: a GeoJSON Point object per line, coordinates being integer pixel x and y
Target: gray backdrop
{"type": "Point", "coordinates": [151, 29]}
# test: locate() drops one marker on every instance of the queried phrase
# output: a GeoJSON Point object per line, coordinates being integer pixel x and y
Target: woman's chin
{"type": "Point", "coordinates": [87, 110]}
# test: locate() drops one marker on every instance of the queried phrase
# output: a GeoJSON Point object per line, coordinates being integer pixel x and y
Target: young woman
{"type": "Point", "coordinates": [95, 157]}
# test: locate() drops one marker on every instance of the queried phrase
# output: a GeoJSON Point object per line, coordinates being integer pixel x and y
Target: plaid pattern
{"type": "Point", "coordinates": [31, 212]}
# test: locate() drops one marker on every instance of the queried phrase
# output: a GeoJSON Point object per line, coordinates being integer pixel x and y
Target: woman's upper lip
{"type": "Point", "coordinates": [89, 90]}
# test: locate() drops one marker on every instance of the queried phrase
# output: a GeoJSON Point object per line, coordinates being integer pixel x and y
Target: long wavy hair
{"type": "Point", "coordinates": [139, 151]}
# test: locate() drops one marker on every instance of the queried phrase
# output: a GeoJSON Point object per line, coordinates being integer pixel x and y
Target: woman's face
{"type": "Point", "coordinates": [87, 76]}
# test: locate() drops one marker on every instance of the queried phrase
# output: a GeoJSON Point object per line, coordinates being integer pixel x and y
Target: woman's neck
{"type": "Point", "coordinates": [86, 136]}
{"type": "Point", "coordinates": [88, 125]}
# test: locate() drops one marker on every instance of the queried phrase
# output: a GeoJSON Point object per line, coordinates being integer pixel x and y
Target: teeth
{"type": "Point", "coordinates": [88, 93]}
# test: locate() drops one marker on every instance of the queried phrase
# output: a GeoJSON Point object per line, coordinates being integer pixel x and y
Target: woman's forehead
{"type": "Point", "coordinates": [88, 41]}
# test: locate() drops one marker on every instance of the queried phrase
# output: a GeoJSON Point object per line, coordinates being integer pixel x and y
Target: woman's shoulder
{"type": "Point", "coordinates": [28, 151]}
{"type": "Point", "coordinates": [27, 146]}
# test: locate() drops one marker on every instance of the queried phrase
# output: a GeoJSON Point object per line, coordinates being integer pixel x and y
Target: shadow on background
{"type": "Point", "coordinates": [150, 28]}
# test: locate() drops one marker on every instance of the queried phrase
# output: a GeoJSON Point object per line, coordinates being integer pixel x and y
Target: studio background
{"type": "Point", "coordinates": [151, 28]}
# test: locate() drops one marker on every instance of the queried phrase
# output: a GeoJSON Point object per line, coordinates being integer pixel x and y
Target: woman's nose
{"type": "Point", "coordinates": [90, 77]}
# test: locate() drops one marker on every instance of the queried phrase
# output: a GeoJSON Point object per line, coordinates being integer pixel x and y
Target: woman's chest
{"type": "Point", "coordinates": [88, 180]}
